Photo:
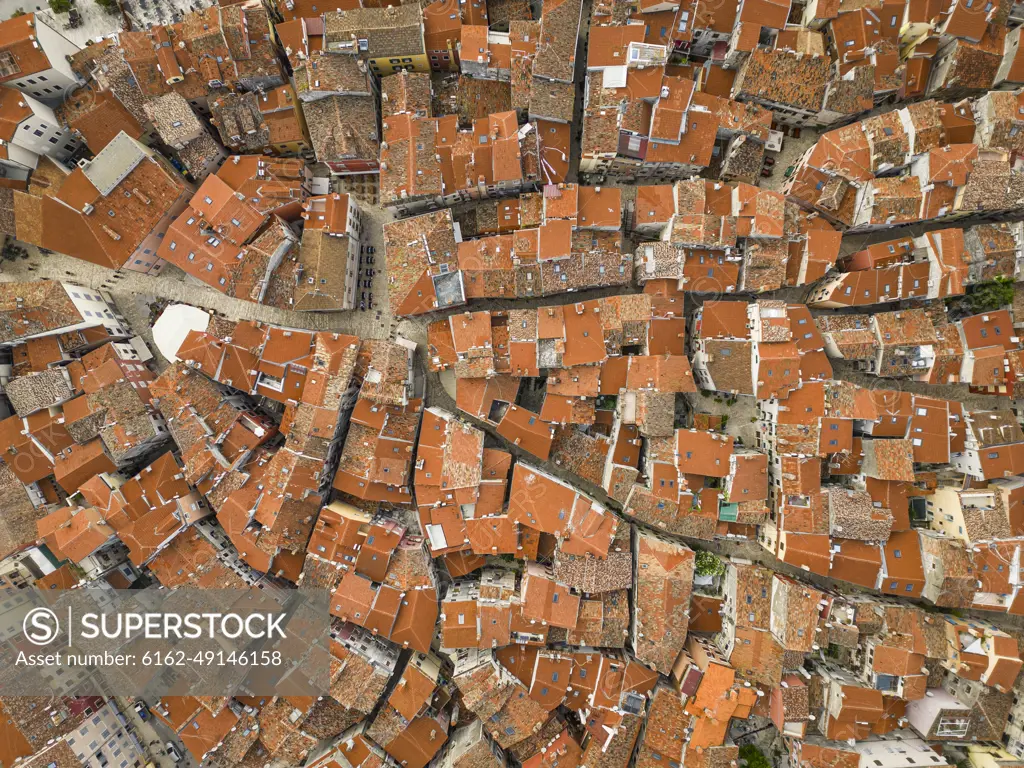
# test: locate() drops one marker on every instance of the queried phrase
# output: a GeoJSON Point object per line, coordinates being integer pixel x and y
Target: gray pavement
{"type": "Point", "coordinates": [95, 24]}
{"type": "Point", "coordinates": [153, 736]}
{"type": "Point", "coordinates": [792, 150]}
{"type": "Point", "coordinates": [742, 421]}
{"type": "Point", "coordinates": [575, 135]}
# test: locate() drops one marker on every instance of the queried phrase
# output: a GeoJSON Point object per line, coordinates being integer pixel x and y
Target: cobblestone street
{"type": "Point", "coordinates": [792, 150]}
{"type": "Point", "coordinates": [134, 293]}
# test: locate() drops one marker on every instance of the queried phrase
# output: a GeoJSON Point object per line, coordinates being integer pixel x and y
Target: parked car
{"type": "Point", "coordinates": [364, 296]}
{"type": "Point", "coordinates": [362, 306]}
{"type": "Point", "coordinates": [371, 272]}
{"type": "Point", "coordinates": [141, 711]}
{"type": "Point", "coordinates": [173, 752]}
{"type": "Point", "coordinates": [370, 249]}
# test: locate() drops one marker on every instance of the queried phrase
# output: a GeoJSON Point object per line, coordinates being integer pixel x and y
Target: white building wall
{"type": "Point", "coordinates": [1013, 735]}
{"type": "Point", "coordinates": [49, 85]}
{"type": "Point", "coordinates": [43, 134]}
{"type": "Point", "coordinates": [922, 713]}
{"type": "Point", "coordinates": [19, 157]}
{"type": "Point", "coordinates": [38, 83]}
{"type": "Point", "coordinates": [969, 463]}
{"type": "Point", "coordinates": [96, 309]}
{"type": "Point", "coordinates": [899, 750]}
{"type": "Point", "coordinates": [61, 78]}
{"type": "Point", "coordinates": [103, 741]}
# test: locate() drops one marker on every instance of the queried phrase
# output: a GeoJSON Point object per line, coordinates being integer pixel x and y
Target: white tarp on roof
{"type": "Point", "coordinates": [614, 77]}
{"type": "Point", "coordinates": [173, 325]}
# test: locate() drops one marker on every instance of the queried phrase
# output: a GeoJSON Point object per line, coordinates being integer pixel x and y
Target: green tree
{"type": "Point", "coordinates": [110, 6]}
{"type": "Point", "coordinates": [753, 757]}
{"type": "Point", "coordinates": [707, 564]}
{"type": "Point", "coordinates": [60, 6]}
{"type": "Point", "coordinates": [988, 297]}
{"type": "Point", "coordinates": [18, 12]}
